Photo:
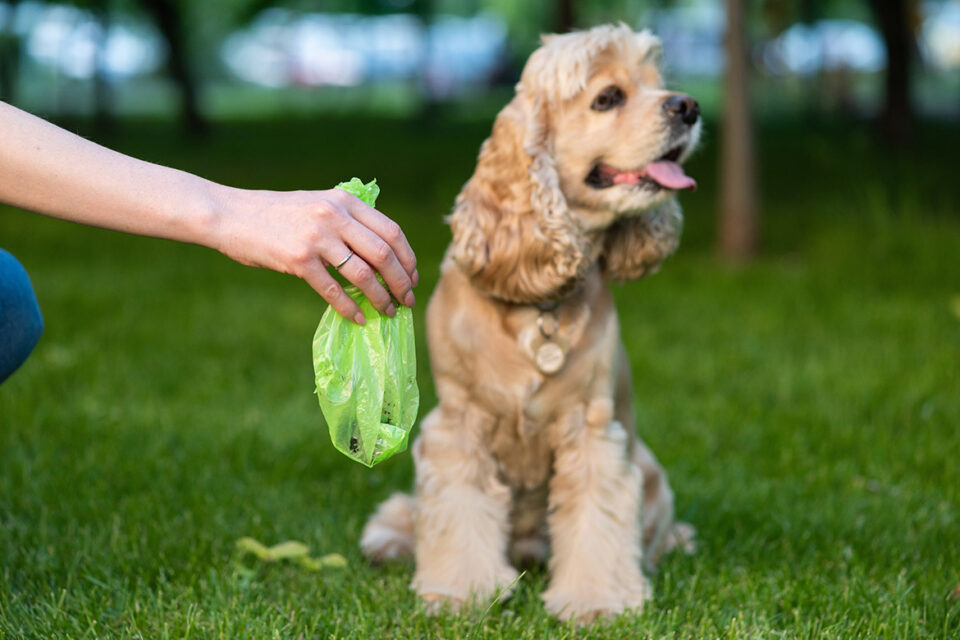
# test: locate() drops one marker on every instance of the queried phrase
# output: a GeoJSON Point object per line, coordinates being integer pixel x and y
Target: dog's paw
{"type": "Point", "coordinates": [683, 536]}
{"type": "Point", "coordinates": [436, 603]}
{"type": "Point", "coordinates": [461, 593]}
{"type": "Point", "coordinates": [582, 604]}
{"type": "Point", "coordinates": [389, 533]}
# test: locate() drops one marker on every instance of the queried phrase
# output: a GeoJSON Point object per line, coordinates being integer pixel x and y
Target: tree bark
{"type": "Point", "coordinates": [102, 94]}
{"type": "Point", "coordinates": [897, 117]}
{"type": "Point", "coordinates": [566, 16]}
{"type": "Point", "coordinates": [738, 234]}
{"type": "Point", "coordinates": [169, 20]}
{"type": "Point", "coordinates": [9, 56]}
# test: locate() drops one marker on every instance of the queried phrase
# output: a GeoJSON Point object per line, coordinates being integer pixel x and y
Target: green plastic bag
{"type": "Point", "coordinates": [367, 375]}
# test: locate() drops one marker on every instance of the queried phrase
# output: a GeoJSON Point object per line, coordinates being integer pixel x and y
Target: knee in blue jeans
{"type": "Point", "coordinates": [33, 328]}
{"type": "Point", "coordinates": [21, 323]}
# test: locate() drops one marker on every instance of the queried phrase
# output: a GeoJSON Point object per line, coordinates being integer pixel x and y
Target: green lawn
{"type": "Point", "coordinates": [806, 406]}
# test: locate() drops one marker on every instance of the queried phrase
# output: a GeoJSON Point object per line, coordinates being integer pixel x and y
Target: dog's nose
{"type": "Point", "coordinates": [683, 108]}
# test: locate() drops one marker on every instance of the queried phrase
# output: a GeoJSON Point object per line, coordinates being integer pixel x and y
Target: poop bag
{"type": "Point", "coordinates": [367, 375]}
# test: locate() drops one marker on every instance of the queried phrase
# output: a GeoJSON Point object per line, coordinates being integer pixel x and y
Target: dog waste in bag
{"type": "Point", "coordinates": [367, 375]}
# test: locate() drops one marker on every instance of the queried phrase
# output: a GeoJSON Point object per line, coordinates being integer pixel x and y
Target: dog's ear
{"type": "Point", "coordinates": [635, 246]}
{"type": "Point", "coordinates": [512, 232]}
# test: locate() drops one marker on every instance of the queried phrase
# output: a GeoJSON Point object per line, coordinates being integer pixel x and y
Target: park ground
{"type": "Point", "coordinates": [806, 405]}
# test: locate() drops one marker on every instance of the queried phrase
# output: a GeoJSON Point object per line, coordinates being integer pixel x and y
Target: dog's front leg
{"type": "Point", "coordinates": [462, 522]}
{"type": "Point", "coordinates": [594, 521]}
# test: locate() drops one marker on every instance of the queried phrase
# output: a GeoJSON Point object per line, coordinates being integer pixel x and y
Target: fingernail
{"type": "Point", "coordinates": [391, 310]}
{"type": "Point", "coordinates": [416, 277]}
{"type": "Point", "coordinates": [359, 319]}
{"type": "Point", "coordinates": [409, 300]}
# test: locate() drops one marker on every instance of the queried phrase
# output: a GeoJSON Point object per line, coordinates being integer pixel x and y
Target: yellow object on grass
{"type": "Point", "coordinates": [292, 550]}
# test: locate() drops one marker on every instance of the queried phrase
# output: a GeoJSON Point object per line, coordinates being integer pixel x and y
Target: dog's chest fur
{"type": "Point", "coordinates": [527, 407]}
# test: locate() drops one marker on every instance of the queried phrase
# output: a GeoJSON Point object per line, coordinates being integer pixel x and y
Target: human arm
{"type": "Point", "coordinates": [48, 170]}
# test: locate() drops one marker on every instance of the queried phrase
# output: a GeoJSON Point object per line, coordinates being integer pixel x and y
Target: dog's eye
{"type": "Point", "coordinates": [612, 96]}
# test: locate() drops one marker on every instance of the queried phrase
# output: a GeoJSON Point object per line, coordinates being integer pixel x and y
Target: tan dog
{"type": "Point", "coordinates": [532, 448]}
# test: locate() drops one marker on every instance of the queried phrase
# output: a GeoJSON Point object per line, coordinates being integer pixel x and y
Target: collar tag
{"type": "Point", "coordinates": [549, 357]}
{"type": "Point", "coordinates": [549, 352]}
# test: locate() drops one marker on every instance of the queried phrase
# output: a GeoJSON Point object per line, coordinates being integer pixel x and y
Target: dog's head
{"type": "Point", "coordinates": [583, 165]}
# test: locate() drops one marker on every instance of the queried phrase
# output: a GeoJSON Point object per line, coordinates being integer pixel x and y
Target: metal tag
{"type": "Point", "coordinates": [549, 357]}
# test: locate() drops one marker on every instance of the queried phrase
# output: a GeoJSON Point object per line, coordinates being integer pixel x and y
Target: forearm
{"type": "Point", "coordinates": [48, 170]}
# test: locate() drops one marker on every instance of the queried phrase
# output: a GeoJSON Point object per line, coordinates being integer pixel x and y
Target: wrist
{"type": "Point", "coordinates": [220, 206]}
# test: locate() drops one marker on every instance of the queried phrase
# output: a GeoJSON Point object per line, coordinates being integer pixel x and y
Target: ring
{"type": "Point", "coordinates": [344, 261]}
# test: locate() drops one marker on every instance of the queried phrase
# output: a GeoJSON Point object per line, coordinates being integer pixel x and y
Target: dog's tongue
{"type": "Point", "coordinates": [669, 174]}
{"type": "Point", "coordinates": [666, 173]}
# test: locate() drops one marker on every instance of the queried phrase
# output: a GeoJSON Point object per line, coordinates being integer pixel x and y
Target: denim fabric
{"type": "Point", "coordinates": [20, 321]}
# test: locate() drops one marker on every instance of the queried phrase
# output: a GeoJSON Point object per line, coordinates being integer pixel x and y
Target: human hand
{"type": "Point", "coordinates": [52, 171]}
{"type": "Point", "coordinates": [304, 232]}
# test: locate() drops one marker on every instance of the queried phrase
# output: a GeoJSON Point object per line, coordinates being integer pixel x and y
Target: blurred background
{"type": "Point", "coordinates": [251, 58]}
{"type": "Point", "coordinates": [98, 63]}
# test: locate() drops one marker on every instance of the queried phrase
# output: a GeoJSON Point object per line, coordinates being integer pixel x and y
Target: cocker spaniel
{"type": "Point", "coordinates": [532, 451]}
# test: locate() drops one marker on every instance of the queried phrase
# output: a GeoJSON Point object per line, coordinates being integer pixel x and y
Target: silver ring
{"type": "Point", "coordinates": [344, 261]}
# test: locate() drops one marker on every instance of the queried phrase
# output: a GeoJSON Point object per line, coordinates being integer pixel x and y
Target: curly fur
{"type": "Point", "coordinates": [512, 232]}
{"type": "Point", "coordinates": [636, 246]}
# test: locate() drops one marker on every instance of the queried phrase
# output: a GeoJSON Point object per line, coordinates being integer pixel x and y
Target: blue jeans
{"type": "Point", "coordinates": [20, 321]}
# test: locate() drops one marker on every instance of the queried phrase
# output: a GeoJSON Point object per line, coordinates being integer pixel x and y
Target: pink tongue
{"type": "Point", "coordinates": [669, 174]}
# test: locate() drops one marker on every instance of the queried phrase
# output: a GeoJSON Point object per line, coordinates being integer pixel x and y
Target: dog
{"type": "Point", "coordinates": [531, 452]}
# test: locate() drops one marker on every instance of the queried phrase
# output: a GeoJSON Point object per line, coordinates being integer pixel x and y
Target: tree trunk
{"type": "Point", "coordinates": [566, 17]}
{"type": "Point", "coordinates": [102, 95]}
{"type": "Point", "coordinates": [169, 20]}
{"type": "Point", "coordinates": [895, 25]}
{"type": "Point", "coordinates": [9, 56]}
{"type": "Point", "coordinates": [737, 238]}
{"type": "Point", "coordinates": [9, 65]}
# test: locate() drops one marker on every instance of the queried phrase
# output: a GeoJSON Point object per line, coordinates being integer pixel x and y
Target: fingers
{"type": "Point", "coordinates": [360, 273]}
{"type": "Point", "coordinates": [388, 230]}
{"type": "Point", "coordinates": [331, 291]}
{"type": "Point", "coordinates": [378, 254]}
{"type": "Point", "coordinates": [346, 225]}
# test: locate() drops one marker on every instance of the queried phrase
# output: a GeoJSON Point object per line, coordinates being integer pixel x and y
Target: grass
{"type": "Point", "coordinates": [806, 406]}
